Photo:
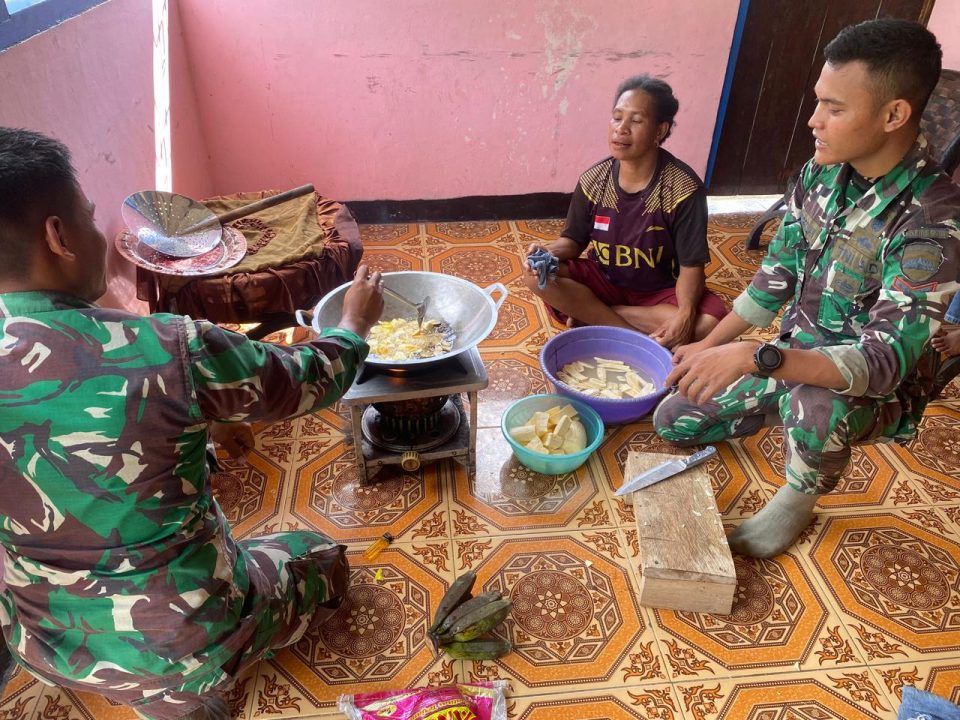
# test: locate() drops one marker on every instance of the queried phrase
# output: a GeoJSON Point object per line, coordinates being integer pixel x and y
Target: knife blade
{"type": "Point", "coordinates": [665, 470]}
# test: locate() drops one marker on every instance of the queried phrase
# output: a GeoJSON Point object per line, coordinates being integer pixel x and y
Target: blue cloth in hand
{"type": "Point", "coordinates": [921, 705]}
{"type": "Point", "coordinates": [545, 264]}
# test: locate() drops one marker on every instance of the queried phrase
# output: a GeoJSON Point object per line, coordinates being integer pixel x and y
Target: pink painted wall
{"type": "Point", "coordinates": [190, 154]}
{"type": "Point", "coordinates": [945, 24]}
{"type": "Point", "coordinates": [374, 99]}
{"type": "Point", "coordinates": [95, 95]}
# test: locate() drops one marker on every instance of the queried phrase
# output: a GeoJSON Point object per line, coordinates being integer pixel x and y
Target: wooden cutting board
{"type": "Point", "coordinates": [685, 561]}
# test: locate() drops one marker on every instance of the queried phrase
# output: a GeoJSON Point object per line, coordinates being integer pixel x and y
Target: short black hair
{"type": "Point", "coordinates": [37, 180]}
{"type": "Point", "coordinates": [664, 103]}
{"type": "Point", "coordinates": [903, 57]}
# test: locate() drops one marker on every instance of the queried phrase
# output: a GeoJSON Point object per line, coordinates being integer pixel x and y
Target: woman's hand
{"type": "Point", "coordinates": [701, 375]}
{"type": "Point", "coordinates": [676, 331]}
{"type": "Point", "coordinates": [527, 270]}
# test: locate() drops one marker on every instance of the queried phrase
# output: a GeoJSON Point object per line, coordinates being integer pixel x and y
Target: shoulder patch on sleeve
{"type": "Point", "coordinates": [928, 233]}
{"type": "Point", "coordinates": [920, 261]}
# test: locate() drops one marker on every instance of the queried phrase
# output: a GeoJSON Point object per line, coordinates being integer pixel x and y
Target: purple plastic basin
{"type": "Point", "coordinates": [651, 361]}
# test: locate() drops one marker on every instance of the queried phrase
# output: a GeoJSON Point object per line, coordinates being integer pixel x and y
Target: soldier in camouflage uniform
{"type": "Point", "coordinates": [865, 261]}
{"type": "Point", "coordinates": [122, 577]}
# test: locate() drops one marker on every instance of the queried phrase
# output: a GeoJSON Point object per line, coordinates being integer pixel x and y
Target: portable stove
{"type": "Point", "coordinates": [405, 418]}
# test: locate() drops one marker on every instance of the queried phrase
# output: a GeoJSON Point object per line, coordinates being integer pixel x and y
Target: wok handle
{"type": "Point", "coordinates": [497, 287]}
{"type": "Point", "coordinates": [250, 209]}
{"type": "Point", "coordinates": [304, 318]}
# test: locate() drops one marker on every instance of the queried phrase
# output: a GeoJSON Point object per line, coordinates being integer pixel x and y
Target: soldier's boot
{"type": "Point", "coordinates": [776, 526]}
{"type": "Point", "coordinates": [213, 708]}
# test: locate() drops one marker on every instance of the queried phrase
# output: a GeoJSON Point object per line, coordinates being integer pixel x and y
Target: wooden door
{"type": "Point", "coordinates": [764, 138]}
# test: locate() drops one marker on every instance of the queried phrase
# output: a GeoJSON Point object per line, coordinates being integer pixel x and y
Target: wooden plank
{"type": "Point", "coordinates": [685, 561]}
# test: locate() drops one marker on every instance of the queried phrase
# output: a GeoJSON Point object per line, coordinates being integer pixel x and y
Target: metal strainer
{"type": "Point", "coordinates": [159, 220]}
{"type": "Point", "coordinates": [177, 226]}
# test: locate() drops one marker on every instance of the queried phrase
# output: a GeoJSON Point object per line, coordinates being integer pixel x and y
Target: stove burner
{"type": "Point", "coordinates": [451, 365]}
{"type": "Point", "coordinates": [403, 431]}
{"type": "Point", "coordinates": [403, 418]}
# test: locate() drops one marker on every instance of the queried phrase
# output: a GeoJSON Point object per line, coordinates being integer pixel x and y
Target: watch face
{"type": "Point", "coordinates": [769, 357]}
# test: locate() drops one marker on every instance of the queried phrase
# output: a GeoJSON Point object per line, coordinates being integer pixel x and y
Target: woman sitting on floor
{"type": "Point", "coordinates": [643, 214]}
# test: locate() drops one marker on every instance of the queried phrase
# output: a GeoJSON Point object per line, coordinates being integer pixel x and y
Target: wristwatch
{"type": "Point", "coordinates": [767, 358]}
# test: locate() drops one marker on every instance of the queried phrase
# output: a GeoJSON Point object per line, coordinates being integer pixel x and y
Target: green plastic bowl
{"type": "Point", "coordinates": [522, 410]}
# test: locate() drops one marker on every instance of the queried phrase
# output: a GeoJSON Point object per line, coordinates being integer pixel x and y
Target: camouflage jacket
{"type": "Point", "coordinates": [120, 565]}
{"type": "Point", "coordinates": [866, 275]}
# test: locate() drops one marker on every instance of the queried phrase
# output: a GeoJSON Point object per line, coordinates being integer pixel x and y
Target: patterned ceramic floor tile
{"type": "Point", "coordinates": [646, 702]}
{"type": "Point", "coordinates": [510, 376]}
{"type": "Point", "coordinates": [250, 491]}
{"type": "Point", "coordinates": [940, 678]}
{"type": "Point", "coordinates": [59, 704]}
{"type": "Point", "coordinates": [736, 493]}
{"type": "Point", "coordinates": [376, 641]}
{"type": "Point", "coordinates": [539, 230]}
{"type": "Point", "coordinates": [483, 265]}
{"type": "Point", "coordinates": [932, 460]}
{"type": "Point", "coordinates": [68, 705]}
{"type": "Point", "coordinates": [517, 323]}
{"type": "Point", "coordinates": [20, 696]}
{"type": "Point", "coordinates": [894, 577]}
{"type": "Point", "coordinates": [327, 496]}
{"type": "Point", "coordinates": [508, 497]}
{"type": "Point", "coordinates": [575, 623]}
{"type": "Point", "coordinates": [778, 622]}
{"type": "Point", "coordinates": [482, 232]}
{"type": "Point", "coordinates": [395, 259]}
{"type": "Point", "coordinates": [850, 694]}
{"type": "Point", "coordinates": [394, 234]}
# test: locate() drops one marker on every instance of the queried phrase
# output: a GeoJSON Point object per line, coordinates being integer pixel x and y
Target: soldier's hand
{"type": "Point", "coordinates": [363, 302]}
{"type": "Point", "coordinates": [236, 438]}
{"type": "Point", "coordinates": [700, 377]}
{"type": "Point", "coordinates": [684, 352]}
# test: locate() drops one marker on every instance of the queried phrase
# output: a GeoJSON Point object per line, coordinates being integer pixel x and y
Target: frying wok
{"type": "Point", "coordinates": [469, 311]}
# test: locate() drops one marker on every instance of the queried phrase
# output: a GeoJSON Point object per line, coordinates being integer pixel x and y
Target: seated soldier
{"type": "Point", "coordinates": [122, 577]}
{"type": "Point", "coordinates": [643, 214]}
{"type": "Point", "coordinates": [865, 260]}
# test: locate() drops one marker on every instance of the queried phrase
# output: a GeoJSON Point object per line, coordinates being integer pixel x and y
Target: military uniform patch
{"type": "Point", "coordinates": [930, 233]}
{"type": "Point", "coordinates": [920, 261]}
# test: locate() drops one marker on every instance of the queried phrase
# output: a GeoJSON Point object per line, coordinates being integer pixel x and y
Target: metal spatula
{"type": "Point", "coordinates": [420, 307]}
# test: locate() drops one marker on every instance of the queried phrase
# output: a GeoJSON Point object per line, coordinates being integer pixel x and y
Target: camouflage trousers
{"type": "Point", "coordinates": [293, 577]}
{"type": "Point", "coordinates": [819, 425]}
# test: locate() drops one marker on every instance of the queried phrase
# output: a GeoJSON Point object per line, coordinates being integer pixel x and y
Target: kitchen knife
{"type": "Point", "coordinates": [665, 470]}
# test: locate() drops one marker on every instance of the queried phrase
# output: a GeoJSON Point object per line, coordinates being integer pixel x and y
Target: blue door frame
{"type": "Point", "coordinates": [727, 84]}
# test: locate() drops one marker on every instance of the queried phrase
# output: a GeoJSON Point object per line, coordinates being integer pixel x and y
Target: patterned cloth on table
{"type": "Point", "coordinates": [296, 253]}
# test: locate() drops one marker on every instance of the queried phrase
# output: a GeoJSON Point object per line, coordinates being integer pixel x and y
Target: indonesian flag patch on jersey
{"type": "Point", "coordinates": [601, 223]}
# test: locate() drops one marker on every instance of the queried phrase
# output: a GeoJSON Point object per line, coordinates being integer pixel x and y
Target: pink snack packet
{"type": "Point", "coordinates": [476, 701]}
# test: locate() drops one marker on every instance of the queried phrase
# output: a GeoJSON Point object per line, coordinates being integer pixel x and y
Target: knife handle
{"type": "Point", "coordinates": [700, 456]}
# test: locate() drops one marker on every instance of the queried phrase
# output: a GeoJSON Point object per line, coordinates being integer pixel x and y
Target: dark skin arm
{"type": "Point", "coordinates": [705, 368]}
{"type": "Point", "coordinates": [362, 305]}
{"type": "Point", "coordinates": [679, 328]}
